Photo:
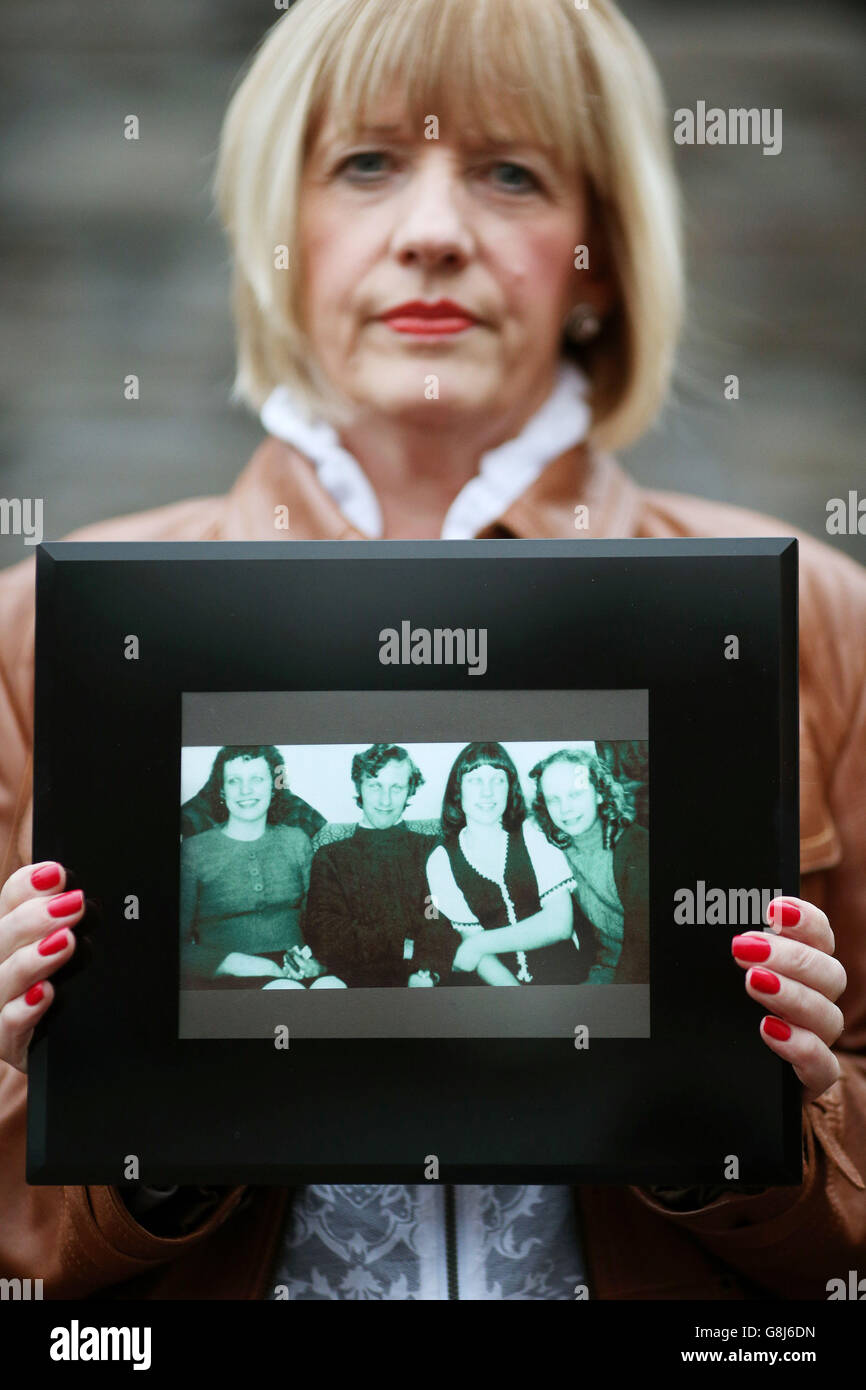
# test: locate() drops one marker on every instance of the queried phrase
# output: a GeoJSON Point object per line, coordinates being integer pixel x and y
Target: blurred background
{"type": "Point", "coordinates": [114, 261]}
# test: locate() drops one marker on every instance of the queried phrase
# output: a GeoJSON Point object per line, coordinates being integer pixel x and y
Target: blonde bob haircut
{"type": "Point", "coordinates": [579, 82]}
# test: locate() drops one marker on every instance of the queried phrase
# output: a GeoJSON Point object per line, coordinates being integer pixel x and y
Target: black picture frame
{"type": "Point", "coordinates": [109, 1078]}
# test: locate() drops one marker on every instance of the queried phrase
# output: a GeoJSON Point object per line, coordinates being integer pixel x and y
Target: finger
{"type": "Point", "coordinates": [795, 1003]}
{"type": "Point", "coordinates": [19, 1018]}
{"type": "Point", "coordinates": [29, 964]}
{"type": "Point", "coordinates": [801, 921]}
{"type": "Point", "coordinates": [37, 917]}
{"type": "Point", "coordinates": [32, 881]}
{"type": "Point", "coordinates": [793, 959]}
{"type": "Point", "coordinates": [816, 1066]}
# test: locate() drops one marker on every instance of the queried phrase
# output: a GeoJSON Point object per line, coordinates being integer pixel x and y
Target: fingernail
{"type": "Point", "coordinates": [66, 903]}
{"type": "Point", "coordinates": [46, 877]}
{"type": "Point", "coordinates": [50, 945]}
{"type": "Point", "coordinates": [775, 1028]}
{"type": "Point", "coordinates": [34, 994]}
{"type": "Point", "coordinates": [784, 912]}
{"type": "Point", "coordinates": [750, 947]}
{"type": "Point", "coordinates": [765, 981]}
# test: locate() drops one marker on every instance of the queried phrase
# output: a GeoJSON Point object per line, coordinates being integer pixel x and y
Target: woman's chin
{"type": "Point", "coordinates": [429, 391]}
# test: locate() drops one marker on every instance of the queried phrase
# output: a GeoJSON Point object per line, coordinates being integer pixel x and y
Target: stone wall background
{"type": "Point", "coordinates": [114, 261]}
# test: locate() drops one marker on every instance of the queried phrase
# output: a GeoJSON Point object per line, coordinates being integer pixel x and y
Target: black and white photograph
{"type": "Point", "coordinates": [414, 865]}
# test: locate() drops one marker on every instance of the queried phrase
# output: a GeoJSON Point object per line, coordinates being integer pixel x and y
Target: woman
{"type": "Point", "coordinates": [501, 886]}
{"type": "Point", "coordinates": [581, 809]}
{"type": "Point", "coordinates": [244, 883]}
{"type": "Point", "coordinates": [491, 319]}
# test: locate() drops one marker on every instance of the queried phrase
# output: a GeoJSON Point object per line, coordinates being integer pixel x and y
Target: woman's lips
{"type": "Point", "coordinates": [429, 328]}
{"type": "Point", "coordinates": [429, 321]}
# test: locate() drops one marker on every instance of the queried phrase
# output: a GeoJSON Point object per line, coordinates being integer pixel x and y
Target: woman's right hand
{"type": "Point", "coordinates": [35, 940]}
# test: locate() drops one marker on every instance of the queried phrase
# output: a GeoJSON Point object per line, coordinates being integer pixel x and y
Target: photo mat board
{"type": "Point", "coordinates": [221, 625]}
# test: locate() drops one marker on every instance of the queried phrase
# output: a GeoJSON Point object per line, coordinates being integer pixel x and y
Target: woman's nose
{"type": "Point", "coordinates": [432, 223]}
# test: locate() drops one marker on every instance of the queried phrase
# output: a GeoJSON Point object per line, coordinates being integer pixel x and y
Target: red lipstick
{"type": "Point", "coordinates": [436, 319]}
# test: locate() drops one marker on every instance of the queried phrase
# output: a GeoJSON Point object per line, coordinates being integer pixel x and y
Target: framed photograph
{"type": "Point", "coordinates": [408, 861]}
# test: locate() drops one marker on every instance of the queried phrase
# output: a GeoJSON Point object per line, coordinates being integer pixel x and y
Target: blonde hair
{"type": "Point", "coordinates": [578, 81]}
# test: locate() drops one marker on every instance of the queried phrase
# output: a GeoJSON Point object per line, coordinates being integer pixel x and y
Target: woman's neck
{"type": "Point", "coordinates": [245, 829]}
{"type": "Point", "coordinates": [484, 837]}
{"type": "Point", "coordinates": [591, 836]}
{"type": "Point", "coordinates": [417, 468]}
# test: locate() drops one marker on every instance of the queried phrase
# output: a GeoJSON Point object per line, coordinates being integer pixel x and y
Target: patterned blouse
{"type": "Point", "coordinates": [393, 1243]}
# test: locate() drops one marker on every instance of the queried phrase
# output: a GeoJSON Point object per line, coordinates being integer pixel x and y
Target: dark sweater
{"type": "Point", "coordinates": [368, 896]}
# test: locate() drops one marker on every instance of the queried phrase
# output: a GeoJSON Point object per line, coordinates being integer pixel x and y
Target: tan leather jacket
{"type": "Point", "coordinates": [788, 1241]}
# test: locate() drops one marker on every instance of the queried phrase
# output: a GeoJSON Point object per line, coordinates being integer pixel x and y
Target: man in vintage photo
{"type": "Point", "coordinates": [369, 917]}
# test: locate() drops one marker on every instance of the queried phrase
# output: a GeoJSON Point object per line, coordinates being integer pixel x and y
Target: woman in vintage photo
{"type": "Point", "coordinates": [244, 882]}
{"type": "Point", "coordinates": [582, 810]}
{"type": "Point", "coordinates": [501, 885]}
{"type": "Point", "coordinates": [458, 267]}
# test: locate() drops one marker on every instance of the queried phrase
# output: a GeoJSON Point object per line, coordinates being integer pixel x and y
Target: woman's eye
{"type": "Point", "coordinates": [525, 179]}
{"type": "Point", "coordinates": [362, 161]}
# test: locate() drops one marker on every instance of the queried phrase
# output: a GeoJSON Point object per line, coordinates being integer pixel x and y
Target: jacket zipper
{"type": "Point", "coordinates": [451, 1241]}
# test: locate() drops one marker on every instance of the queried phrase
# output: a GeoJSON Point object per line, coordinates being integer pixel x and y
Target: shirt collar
{"type": "Point", "coordinates": [581, 494]}
{"type": "Point", "coordinates": [504, 473]}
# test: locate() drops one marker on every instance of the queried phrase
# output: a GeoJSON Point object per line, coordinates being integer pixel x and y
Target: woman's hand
{"type": "Point", "coordinates": [795, 975]}
{"type": "Point", "coordinates": [35, 917]}
{"type": "Point", "coordinates": [299, 964]}
{"type": "Point", "coordinates": [469, 953]}
{"type": "Point", "coordinates": [239, 963]}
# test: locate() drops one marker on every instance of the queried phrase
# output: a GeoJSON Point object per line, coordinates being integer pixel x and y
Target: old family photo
{"type": "Point", "coordinates": [486, 864]}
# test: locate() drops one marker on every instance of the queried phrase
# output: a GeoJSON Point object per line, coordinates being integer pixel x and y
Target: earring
{"type": "Point", "coordinates": [582, 323]}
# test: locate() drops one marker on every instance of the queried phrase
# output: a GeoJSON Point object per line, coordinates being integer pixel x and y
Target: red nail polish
{"type": "Point", "coordinates": [765, 981]}
{"type": "Point", "coordinates": [750, 948]}
{"type": "Point", "coordinates": [34, 994]}
{"type": "Point", "coordinates": [46, 877]}
{"type": "Point", "coordinates": [50, 945]}
{"type": "Point", "coordinates": [784, 912]}
{"type": "Point", "coordinates": [776, 1028]}
{"type": "Point", "coordinates": [66, 903]}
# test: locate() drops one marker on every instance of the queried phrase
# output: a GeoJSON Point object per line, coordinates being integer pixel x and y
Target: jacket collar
{"type": "Point", "coordinates": [278, 496]}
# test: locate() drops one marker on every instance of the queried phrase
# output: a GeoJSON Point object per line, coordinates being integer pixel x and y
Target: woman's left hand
{"type": "Point", "coordinates": [795, 975]}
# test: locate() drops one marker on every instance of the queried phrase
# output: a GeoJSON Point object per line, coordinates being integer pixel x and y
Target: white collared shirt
{"type": "Point", "coordinates": [504, 473]}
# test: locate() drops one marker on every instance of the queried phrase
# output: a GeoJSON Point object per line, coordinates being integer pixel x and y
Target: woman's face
{"type": "Point", "coordinates": [571, 799]}
{"type": "Point", "coordinates": [247, 786]}
{"type": "Point", "coordinates": [484, 795]}
{"type": "Point", "coordinates": [394, 217]}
